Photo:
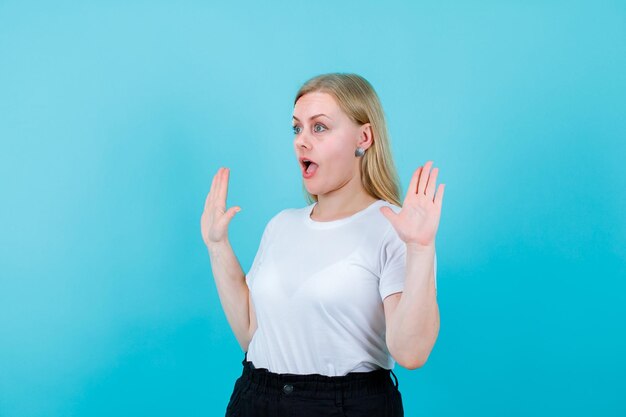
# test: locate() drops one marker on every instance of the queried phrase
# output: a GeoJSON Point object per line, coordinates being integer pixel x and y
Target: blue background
{"type": "Point", "coordinates": [114, 116]}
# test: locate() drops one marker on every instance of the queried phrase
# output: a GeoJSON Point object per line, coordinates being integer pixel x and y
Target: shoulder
{"type": "Point", "coordinates": [392, 206]}
{"type": "Point", "coordinates": [384, 226]}
{"type": "Point", "coordinates": [286, 216]}
{"type": "Point", "coordinates": [389, 235]}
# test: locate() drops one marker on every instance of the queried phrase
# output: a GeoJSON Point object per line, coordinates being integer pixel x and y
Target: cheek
{"type": "Point", "coordinates": [340, 161]}
{"type": "Point", "coordinates": [336, 152]}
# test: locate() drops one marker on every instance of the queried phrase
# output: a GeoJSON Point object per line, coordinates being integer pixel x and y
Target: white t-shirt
{"type": "Point", "coordinates": [318, 290]}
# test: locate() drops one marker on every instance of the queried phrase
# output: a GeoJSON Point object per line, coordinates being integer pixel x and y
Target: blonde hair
{"type": "Point", "coordinates": [357, 98]}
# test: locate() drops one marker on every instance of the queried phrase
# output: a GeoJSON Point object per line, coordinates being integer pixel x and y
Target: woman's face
{"type": "Point", "coordinates": [324, 134]}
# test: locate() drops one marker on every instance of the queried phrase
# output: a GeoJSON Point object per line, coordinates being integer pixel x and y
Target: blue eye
{"type": "Point", "coordinates": [321, 126]}
{"type": "Point", "coordinates": [296, 131]}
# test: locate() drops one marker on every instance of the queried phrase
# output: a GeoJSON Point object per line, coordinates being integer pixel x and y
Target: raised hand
{"type": "Point", "coordinates": [215, 218]}
{"type": "Point", "coordinates": [418, 220]}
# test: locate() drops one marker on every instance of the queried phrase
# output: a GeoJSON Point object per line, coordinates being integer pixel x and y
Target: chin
{"type": "Point", "coordinates": [313, 190]}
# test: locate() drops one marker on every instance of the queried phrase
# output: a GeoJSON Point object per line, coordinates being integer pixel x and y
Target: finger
{"type": "Point", "coordinates": [219, 184]}
{"type": "Point", "coordinates": [209, 197]}
{"type": "Point", "coordinates": [212, 189]}
{"type": "Point", "coordinates": [216, 185]}
{"type": "Point", "coordinates": [432, 180]}
{"type": "Point", "coordinates": [413, 184]}
{"type": "Point", "coordinates": [421, 185]}
{"type": "Point", "coordinates": [224, 187]}
{"type": "Point", "coordinates": [439, 196]}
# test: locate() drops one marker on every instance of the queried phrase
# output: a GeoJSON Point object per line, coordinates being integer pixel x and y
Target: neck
{"type": "Point", "coordinates": [342, 202]}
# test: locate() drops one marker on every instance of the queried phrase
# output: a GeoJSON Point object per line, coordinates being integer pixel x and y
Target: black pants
{"type": "Point", "coordinates": [259, 392]}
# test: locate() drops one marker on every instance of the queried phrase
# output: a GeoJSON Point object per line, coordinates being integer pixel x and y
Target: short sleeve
{"type": "Point", "coordinates": [393, 261]}
{"type": "Point", "coordinates": [393, 264]}
{"type": "Point", "coordinates": [258, 258]}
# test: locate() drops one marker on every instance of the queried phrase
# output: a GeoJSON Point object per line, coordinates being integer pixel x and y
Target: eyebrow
{"type": "Point", "coordinates": [313, 117]}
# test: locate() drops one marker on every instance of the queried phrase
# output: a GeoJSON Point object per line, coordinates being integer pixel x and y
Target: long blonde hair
{"type": "Point", "coordinates": [357, 98]}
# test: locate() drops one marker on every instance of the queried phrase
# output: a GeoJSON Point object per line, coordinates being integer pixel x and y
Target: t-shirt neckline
{"type": "Point", "coordinates": [334, 223]}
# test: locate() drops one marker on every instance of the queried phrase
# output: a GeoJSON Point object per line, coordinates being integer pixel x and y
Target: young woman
{"type": "Point", "coordinates": [343, 288]}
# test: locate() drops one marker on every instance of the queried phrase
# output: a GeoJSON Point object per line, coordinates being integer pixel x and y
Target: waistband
{"type": "Point", "coordinates": [353, 384]}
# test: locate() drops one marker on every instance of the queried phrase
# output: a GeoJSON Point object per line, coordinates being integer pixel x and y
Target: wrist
{"type": "Point", "coordinates": [215, 246]}
{"type": "Point", "coordinates": [418, 248]}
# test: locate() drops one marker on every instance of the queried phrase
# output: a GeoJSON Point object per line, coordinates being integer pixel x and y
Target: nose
{"type": "Point", "coordinates": [302, 141]}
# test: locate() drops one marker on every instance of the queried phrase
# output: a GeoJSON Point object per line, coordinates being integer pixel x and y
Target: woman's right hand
{"type": "Point", "coordinates": [215, 218]}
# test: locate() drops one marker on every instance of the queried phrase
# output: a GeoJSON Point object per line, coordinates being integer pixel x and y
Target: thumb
{"type": "Point", "coordinates": [230, 213]}
{"type": "Point", "coordinates": [389, 214]}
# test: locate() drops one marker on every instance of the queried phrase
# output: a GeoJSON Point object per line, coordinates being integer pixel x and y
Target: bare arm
{"type": "Point", "coordinates": [227, 273]}
{"type": "Point", "coordinates": [233, 292]}
{"type": "Point", "coordinates": [412, 316]}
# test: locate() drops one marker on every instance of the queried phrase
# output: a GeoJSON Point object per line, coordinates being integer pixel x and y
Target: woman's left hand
{"type": "Point", "coordinates": [418, 220]}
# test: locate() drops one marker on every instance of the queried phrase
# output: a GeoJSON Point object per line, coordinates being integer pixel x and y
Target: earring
{"type": "Point", "coordinates": [359, 151]}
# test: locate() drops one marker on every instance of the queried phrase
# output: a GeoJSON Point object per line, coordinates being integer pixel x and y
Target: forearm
{"type": "Point", "coordinates": [415, 325]}
{"type": "Point", "coordinates": [232, 289]}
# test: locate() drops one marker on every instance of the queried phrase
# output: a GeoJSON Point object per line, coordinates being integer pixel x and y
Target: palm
{"type": "Point", "coordinates": [418, 220]}
{"type": "Point", "coordinates": [215, 218]}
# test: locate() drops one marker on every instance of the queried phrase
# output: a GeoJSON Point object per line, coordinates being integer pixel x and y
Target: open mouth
{"type": "Point", "coordinates": [309, 167]}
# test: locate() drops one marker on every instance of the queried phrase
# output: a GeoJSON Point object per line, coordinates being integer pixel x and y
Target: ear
{"type": "Point", "coordinates": [366, 136]}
